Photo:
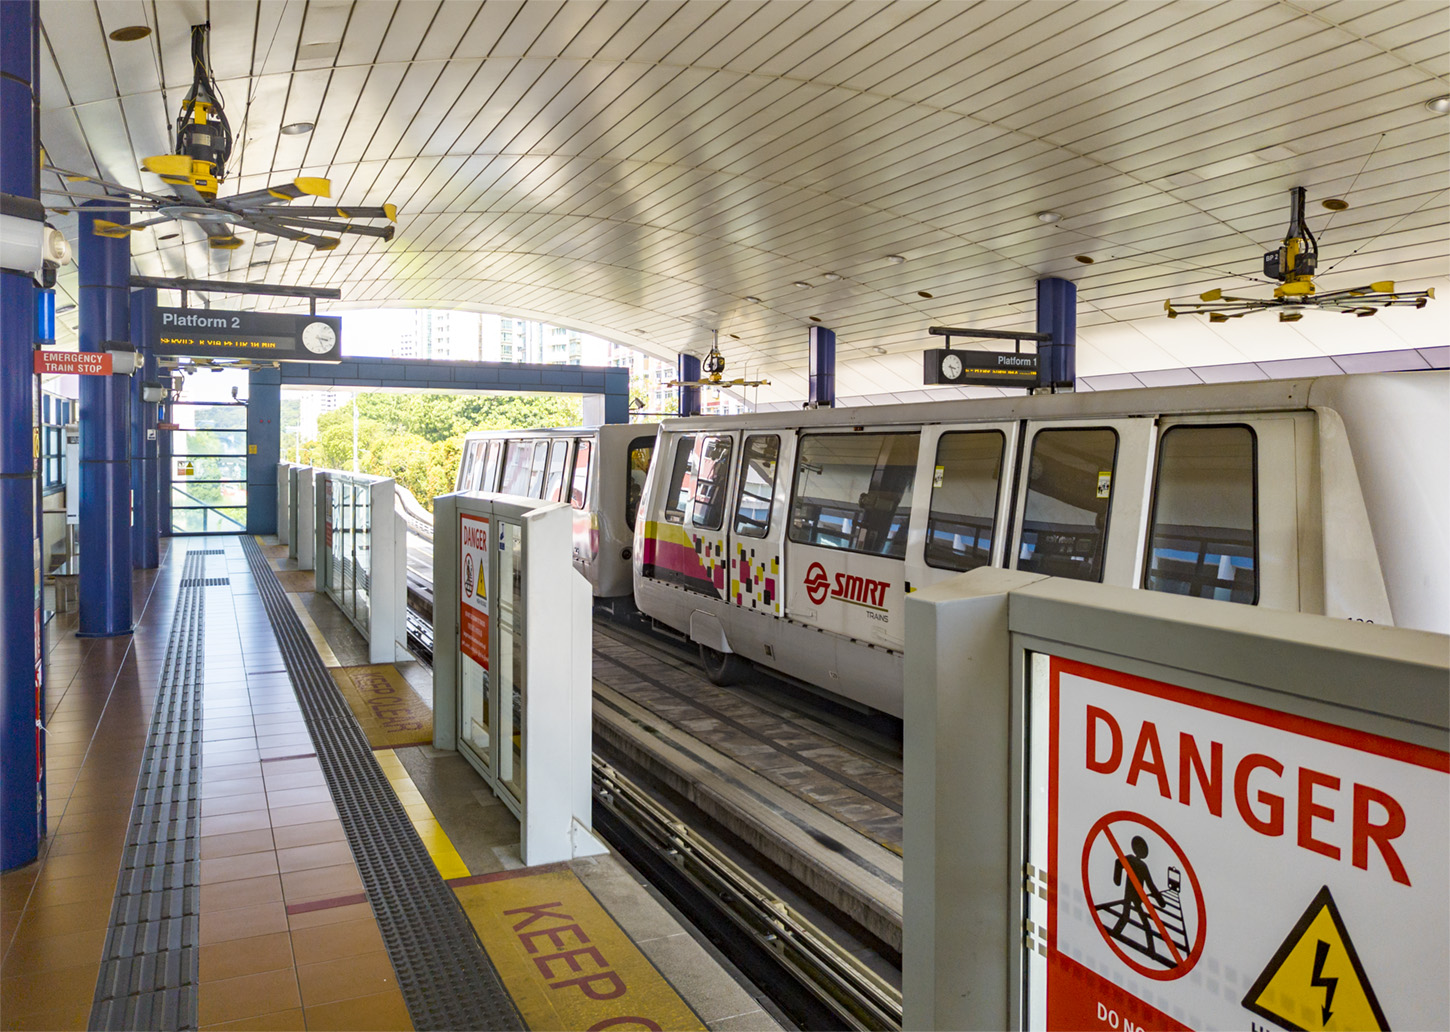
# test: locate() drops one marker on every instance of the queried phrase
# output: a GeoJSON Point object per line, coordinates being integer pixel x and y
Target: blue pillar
{"type": "Point", "coordinates": [821, 365]}
{"type": "Point", "coordinates": [689, 369]}
{"type": "Point", "coordinates": [22, 757]}
{"type": "Point", "coordinates": [264, 448]}
{"type": "Point", "coordinates": [616, 395]}
{"type": "Point", "coordinates": [105, 507]}
{"type": "Point", "coordinates": [145, 473]}
{"type": "Point", "coordinates": [1057, 315]}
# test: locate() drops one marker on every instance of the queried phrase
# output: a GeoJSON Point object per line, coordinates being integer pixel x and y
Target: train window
{"type": "Point", "coordinates": [537, 469]}
{"type": "Point", "coordinates": [1069, 490]}
{"type": "Point", "coordinates": [682, 480]}
{"type": "Point", "coordinates": [853, 491]}
{"type": "Point", "coordinates": [1203, 535]}
{"type": "Point", "coordinates": [641, 449]}
{"type": "Point", "coordinates": [489, 482]}
{"type": "Point", "coordinates": [712, 484]}
{"type": "Point", "coordinates": [558, 457]}
{"type": "Point", "coordinates": [517, 463]}
{"type": "Point", "coordinates": [579, 493]}
{"type": "Point", "coordinates": [466, 467]}
{"type": "Point", "coordinates": [757, 485]}
{"type": "Point", "coordinates": [964, 486]}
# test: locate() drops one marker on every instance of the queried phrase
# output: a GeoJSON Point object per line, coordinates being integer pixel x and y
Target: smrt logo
{"type": "Point", "coordinates": [817, 584]}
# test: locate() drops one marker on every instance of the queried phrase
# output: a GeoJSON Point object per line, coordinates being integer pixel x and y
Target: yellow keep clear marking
{"type": "Point", "coordinates": [564, 961]}
{"type": "Point", "coordinates": [435, 839]}
{"type": "Point", "coordinates": [314, 633]}
{"type": "Point", "coordinates": [1315, 980]}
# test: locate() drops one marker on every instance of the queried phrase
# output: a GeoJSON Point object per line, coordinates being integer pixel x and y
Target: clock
{"type": "Point", "coordinates": [951, 367]}
{"type": "Point", "coordinates": [319, 338]}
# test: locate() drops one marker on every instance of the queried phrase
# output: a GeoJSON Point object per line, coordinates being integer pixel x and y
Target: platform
{"type": "Point", "coordinates": [264, 852]}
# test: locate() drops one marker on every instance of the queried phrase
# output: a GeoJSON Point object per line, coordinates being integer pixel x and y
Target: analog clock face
{"type": "Point", "coordinates": [318, 338]}
{"type": "Point", "coordinates": [951, 367]}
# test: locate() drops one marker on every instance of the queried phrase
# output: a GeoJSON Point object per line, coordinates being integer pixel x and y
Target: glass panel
{"type": "Point", "coordinates": [336, 534]}
{"type": "Point", "coordinates": [490, 467]}
{"type": "Point", "coordinates": [537, 468]}
{"type": "Point", "coordinates": [212, 468]}
{"type": "Point", "coordinates": [363, 551]}
{"type": "Point", "coordinates": [208, 442]}
{"type": "Point", "coordinates": [757, 484]}
{"type": "Point", "coordinates": [965, 482]}
{"type": "Point", "coordinates": [188, 521]}
{"type": "Point", "coordinates": [225, 521]}
{"type": "Point", "coordinates": [1202, 540]}
{"type": "Point", "coordinates": [853, 491]}
{"type": "Point", "coordinates": [558, 456]}
{"type": "Point", "coordinates": [512, 681]}
{"type": "Point", "coordinates": [682, 480]}
{"type": "Point", "coordinates": [1069, 490]}
{"type": "Point", "coordinates": [185, 494]}
{"type": "Point", "coordinates": [712, 486]}
{"type": "Point", "coordinates": [579, 492]}
{"type": "Point", "coordinates": [517, 458]}
{"type": "Point", "coordinates": [640, 451]}
{"type": "Point", "coordinates": [469, 467]}
{"type": "Point", "coordinates": [209, 417]}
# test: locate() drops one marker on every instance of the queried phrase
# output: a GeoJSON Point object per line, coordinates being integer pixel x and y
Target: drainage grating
{"type": "Point", "coordinates": [206, 582]}
{"type": "Point", "coordinates": [148, 976]}
{"type": "Point", "coordinates": [446, 978]}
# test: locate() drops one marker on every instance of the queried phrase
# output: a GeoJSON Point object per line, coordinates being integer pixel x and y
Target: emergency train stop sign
{"type": "Point", "coordinates": [1214, 864]}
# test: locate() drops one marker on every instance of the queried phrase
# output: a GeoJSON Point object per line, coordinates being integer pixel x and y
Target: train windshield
{"type": "Point", "coordinates": [853, 491]}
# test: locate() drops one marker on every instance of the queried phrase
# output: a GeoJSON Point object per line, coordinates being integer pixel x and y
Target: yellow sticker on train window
{"type": "Point", "coordinates": [936, 477]}
{"type": "Point", "coordinates": [1105, 483]}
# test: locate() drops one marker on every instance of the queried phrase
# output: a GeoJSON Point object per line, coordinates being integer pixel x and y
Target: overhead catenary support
{"type": "Point", "coordinates": [688, 369]}
{"type": "Point", "coordinates": [145, 454]}
{"type": "Point", "coordinates": [22, 789]}
{"type": "Point", "coordinates": [821, 364]}
{"type": "Point", "coordinates": [1057, 317]}
{"type": "Point", "coordinates": [105, 504]}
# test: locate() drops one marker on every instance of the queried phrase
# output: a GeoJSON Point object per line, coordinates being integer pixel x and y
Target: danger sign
{"type": "Point", "coordinates": [1213, 864]}
{"type": "Point", "coordinates": [473, 588]}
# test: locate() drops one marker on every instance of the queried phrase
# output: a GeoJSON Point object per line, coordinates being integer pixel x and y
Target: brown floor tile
{"type": "Point", "coordinates": [246, 996]}
{"type": "Point", "coordinates": [298, 797]}
{"type": "Point", "coordinates": [330, 916]}
{"type": "Point", "coordinates": [235, 868]}
{"type": "Point", "coordinates": [44, 922]}
{"type": "Point", "coordinates": [50, 891]}
{"type": "Point", "coordinates": [244, 892]}
{"type": "Point", "coordinates": [62, 951]}
{"type": "Point", "coordinates": [103, 864]}
{"type": "Point", "coordinates": [215, 788]}
{"type": "Point", "coordinates": [28, 993]}
{"type": "Point", "coordinates": [366, 974]}
{"type": "Point", "coordinates": [308, 814]}
{"type": "Point", "coordinates": [236, 957]}
{"type": "Point", "coordinates": [332, 942]}
{"type": "Point", "coordinates": [242, 923]}
{"type": "Point", "coordinates": [322, 854]}
{"type": "Point", "coordinates": [272, 767]}
{"type": "Point", "coordinates": [229, 823]}
{"type": "Point", "coordinates": [321, 883]}
{"type": "Point", "coordinates": [298, 779]}
{"type": "Point", "coordinates": [378, 1013]}
{"type": "Point", "coordinates": [117, 819]}
{"type": "Point", "coordinates": [233, 771]}
{"type": "Point", "coordinates": [277, 1021]}
{"type": "Point", "coordinates": [88, 841]}
{"type": "Point", "coordinates": [236, 844]}
{"type": "Point", "coordinates": [309, 834]}
{"type": "Point", "coordinates": [233, 804]}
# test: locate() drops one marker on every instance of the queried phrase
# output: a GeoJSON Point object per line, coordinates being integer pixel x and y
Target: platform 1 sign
{"type": "Point", "coordinates": [473, 588]}
{"type": "Point", "coordinates": [1213, 864]}
{"type": "Point", "coordinates": [267, 336]}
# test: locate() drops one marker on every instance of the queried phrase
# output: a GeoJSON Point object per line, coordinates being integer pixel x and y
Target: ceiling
{"type": "Point", "coordinates": [643, 170]}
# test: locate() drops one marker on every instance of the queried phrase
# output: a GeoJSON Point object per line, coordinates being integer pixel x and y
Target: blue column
{"type": "Point", "coordinates": [616, 395]}
{"type": "Point", "coordinates": [821, 365]}
{"type": "Point", "coordinates": [22, 757]}
{"type": "Point", "coordinates": [689, 369]}
{"type": "Point", "coordinates": [1057, 315]}
{"type": "Point", "coordinates": [105, 507]}
{"type": "Point", "coordinates": [145, 539]}
{"type": "Point", "coordinates": [264, 448]}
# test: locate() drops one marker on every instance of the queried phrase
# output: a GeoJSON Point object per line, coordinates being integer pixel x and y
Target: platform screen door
{"type": "Point", "coordinates": [208, 468]}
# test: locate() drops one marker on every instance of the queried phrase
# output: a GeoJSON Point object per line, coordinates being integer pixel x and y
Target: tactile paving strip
{"type": "Point", "coordinates": [446, 978]}
{"type": "Point", "coordinates": [148, 976]}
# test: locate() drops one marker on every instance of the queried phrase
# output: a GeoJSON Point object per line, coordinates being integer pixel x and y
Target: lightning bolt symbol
{"type": "Point", "coordinates": [1321, 954]}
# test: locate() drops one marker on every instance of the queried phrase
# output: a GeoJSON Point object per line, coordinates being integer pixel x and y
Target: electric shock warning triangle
{"type": "Point", "coordinates": [481, 593]}
{"type": "Point", "coordinates": [1315, 980]}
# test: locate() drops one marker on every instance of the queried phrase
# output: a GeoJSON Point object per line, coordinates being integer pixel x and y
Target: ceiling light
{"type": "Point", "coordinates": [800, 283]}
{"type": "Point", "coordinates": [168, 236]}
{"type": "Point", "coordinates": [752, 300]}
{"type": "Point", "coordinates": [1276, 152]}
{"type": "Point", "coordinates": [1085, 259]}
{"type": "Point", "coordinates": [815, 318]}
{"type": "Point", "coordinates": [734, 336]}
{"type": "Point", "coordinates": [297, 128]}
{"type": "Point", "coordinates": [831, 277]}
{"type": "Point", "coordinates": [879, 349]}
{"type": "Point", "coordinates": [263, 261]}
{"type": "Point", "coordinates": [1334, 203]}
{"type": "Point", "coordinates": [64, 309]}
{"type": "Point", "coordinates": [922, 293]}
{"type": "Point", "coordinates": [895, 259]}
{"type": "Point", "coordinates": [1439, 105]}
{"type": "Point", "coordinates": [1049, 217]}
{"type": "Point", "coordinates": [130, 33]}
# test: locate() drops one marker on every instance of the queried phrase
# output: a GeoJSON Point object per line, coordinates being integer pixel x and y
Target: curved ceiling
{"type": "Point", "coordinates": [646, 170]}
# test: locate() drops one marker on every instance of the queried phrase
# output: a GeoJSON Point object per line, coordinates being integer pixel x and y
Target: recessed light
{"type": "Point", "coordinates": [801, 284]}
{"type": "Point", "coordinates": [831, 277]}
{"type": "Point", "coordinates": [922, 293]}
{"type": "Point", "coordinates": [734, 336]}
{"type": "Point", "coordinates": [879, 349]}
{"type": "Point", "coordinates": [1049, 217]}
{"type": "Point", "coordinates": [130, 33]}
{"type": "Point", "coordinates": [297, 128]}
{"type": "Point", "coordinates": [63, 309]}
{"type": "Point", "coordinates": [752, 300]}
{"type": "Point", "coordinates": [895, 259]}
{"type": "Point", "coordinates": [1334, 203]}
{"type": "Point", "coordinates": [815, 318]}
{"type": "Point", "coordinates": [1085, 259]}
{"type": "Point", "coordinates": [1439, 105]}
{"type": "Point", "coordinates": [263, 261]}
{"type": "Point", "coordinates": [168, 236]}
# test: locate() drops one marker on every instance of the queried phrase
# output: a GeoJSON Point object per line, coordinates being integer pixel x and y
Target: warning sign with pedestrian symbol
{"type": "Point", "coordinates": [473, 614]}
{"type": "Point", "coordinates": [1315, 980]}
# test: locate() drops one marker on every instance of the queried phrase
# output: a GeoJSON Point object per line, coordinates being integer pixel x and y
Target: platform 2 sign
{"type": "Point", "coordinates": [268, 336]}
{"type": "Point", "coordinates": [1213, 864]}
{"type": "Point", "coordinates": [473, 588]}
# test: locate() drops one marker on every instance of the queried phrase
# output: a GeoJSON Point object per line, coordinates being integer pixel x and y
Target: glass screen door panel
{"type": "Point", "coordinates": [208, 468]}
{"type": "Point", "coordinates": [511, 658]}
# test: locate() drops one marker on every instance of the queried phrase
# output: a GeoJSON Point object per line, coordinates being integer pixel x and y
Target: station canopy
{"type": "Point", "coordinates": [657, 173]}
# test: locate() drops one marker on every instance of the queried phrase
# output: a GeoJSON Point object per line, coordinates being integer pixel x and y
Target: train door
{"type": "Point", "coordinates": [962, 500]}
{"type": "Point", "coordinates": [849, 520]}
{"type": "Point", "coordinates": [558, 468]}
{"type": "Point", "coordinates": [489, 478]}
{"type": "Point", "coordinates": [1081, 498]}
{"type": "Point", "coordinates": [756, 570]}
{"type": "Point", "coordinates": [687, 546]}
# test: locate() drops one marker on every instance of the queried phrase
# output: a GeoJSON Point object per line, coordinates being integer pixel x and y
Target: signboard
{"type": "Point", "coordinates": [84, 363]}
{"type": "Point", "coordinates": [1213, 864]}
{"type": "Point", "coordinates": [270, 336]}
{"type": "Point", "coordinates": [957, 367]}
{"type": "Point", "coordinates": [473, 589]}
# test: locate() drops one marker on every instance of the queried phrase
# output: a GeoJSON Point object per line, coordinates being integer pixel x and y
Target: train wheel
{"type": "Point", "coordinates": [722, 668]}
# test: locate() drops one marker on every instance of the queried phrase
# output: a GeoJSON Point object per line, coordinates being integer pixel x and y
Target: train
{"type": "Point", "coordinates": [791, 539]}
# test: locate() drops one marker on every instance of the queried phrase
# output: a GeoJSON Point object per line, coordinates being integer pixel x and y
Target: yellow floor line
{"type": "Point", "coordinates": [435, 839]}
{"type": "Point", "coordinates": [324, 650]}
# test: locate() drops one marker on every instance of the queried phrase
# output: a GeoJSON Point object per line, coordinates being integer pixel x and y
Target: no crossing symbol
{"type": "Point", "coordinates": [1144, 895]}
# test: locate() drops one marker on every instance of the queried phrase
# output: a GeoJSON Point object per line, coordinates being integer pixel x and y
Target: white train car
{"type": "Point", "coordinates": [600, 471]}
{"type": "Point", "coordinates": [791, 539]}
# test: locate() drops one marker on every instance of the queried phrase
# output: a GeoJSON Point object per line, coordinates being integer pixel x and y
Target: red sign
{"type": "Point", "coordinates": [473, 588]}
{"type": "Point", "coordinates": [86, 363]}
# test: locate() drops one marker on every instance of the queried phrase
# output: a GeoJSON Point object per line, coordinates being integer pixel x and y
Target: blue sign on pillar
{"type": "Point", "coordinates": [145, 454]}
{"type": "Point", "coordinates": [821, 365]}
{"type": "Point", "coordinates": [689, 370]}
{"type": "Point", "coordinates": [1057, 315]}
